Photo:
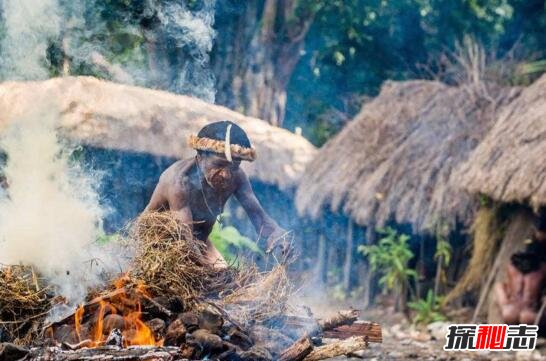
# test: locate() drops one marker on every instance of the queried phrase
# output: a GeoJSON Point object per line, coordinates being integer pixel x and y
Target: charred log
{"type": "Point", "coordinates": [298, 351]}
{"type": "Point", "coordinates": [111, 353]}
{"type": "Point", "coordinates": [338, 348]}
{"type": "Point", "coordinates": [345, 317]}
{"type": "Point", "coordinates": [371, 332]}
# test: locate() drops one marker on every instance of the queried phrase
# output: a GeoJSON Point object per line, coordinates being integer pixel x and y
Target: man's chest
{"type": "Point", "coordinates": [206, 205]}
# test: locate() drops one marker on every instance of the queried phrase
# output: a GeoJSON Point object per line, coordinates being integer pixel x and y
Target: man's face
{"type": "Point", "coordinates": [219, 172]}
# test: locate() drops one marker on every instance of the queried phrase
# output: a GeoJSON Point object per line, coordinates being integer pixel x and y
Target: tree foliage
{"type": "Point", "coordinates": [355, 45]}
{"type": "Point", "coordinates": [350, 48]}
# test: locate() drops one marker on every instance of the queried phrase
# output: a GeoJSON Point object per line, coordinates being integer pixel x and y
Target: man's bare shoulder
{"type": "Point", "coordinates": [241, 178]}
{"type": "Point", "coordinates": [174, 175]}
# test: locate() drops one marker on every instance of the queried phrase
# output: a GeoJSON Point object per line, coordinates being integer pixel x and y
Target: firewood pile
{"type": "Point", "coordinates": [204, 335]}
{"type": "Point", "coordinates": [163, 310]}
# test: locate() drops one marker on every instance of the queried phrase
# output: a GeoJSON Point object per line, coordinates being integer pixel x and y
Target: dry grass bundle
{"type": "Point", "coordinates": [487, 232]}
{"type": "Point", "coordinates": [170, 261]}
{"type": "Point", "coordinates": [264, 298]}
{"type": "Point", "coordinates": [25, 299]}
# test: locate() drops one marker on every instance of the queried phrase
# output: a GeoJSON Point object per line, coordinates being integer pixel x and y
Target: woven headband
{"type": "Point", "coordinates": [219, 147]}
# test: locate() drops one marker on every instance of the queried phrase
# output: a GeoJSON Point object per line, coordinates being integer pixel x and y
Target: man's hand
{"type": "Point", "coordinates": [279, 238]}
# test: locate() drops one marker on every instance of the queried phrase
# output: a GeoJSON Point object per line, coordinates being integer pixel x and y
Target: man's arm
{"type": "Point", "coordinates": [180, 208]}
{"type": "Point", "coordinates": [171, 197]}
{"type": "Point", "coordinates": [265, 225]}
{"type": "Point", "coordinates": [158, 200]}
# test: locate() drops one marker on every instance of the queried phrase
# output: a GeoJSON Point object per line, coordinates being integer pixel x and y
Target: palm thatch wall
{"type": "Point", "coordinates": [395, 160]}
{"type": "Point", "coordinates": [509, 164]}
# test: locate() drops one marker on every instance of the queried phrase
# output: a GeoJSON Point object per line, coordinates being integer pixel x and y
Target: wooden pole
{"type": "Point", "coordinates": [321, 257]}
{"type": "Point", "coordinates": [489, 283]}
{"type": "Point", "coordinates": [368, 292]}
{"type": "Point", "coordinates": [348, 257]}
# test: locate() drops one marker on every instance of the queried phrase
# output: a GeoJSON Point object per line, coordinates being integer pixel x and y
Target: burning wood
{"type": "Point", "coordinates": [151, 313]}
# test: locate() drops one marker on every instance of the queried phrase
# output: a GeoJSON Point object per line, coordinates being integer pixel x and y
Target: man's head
{"type": "Point", "coordinates": [221, 147]}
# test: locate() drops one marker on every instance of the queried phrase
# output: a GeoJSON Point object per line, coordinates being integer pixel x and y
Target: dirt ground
{"type": "Point", "coordinates": [402, 341]}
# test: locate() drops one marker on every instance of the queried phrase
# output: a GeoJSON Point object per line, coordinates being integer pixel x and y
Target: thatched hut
{"type": "Point", "coordinates": [394, 163]}
{"type": "Point", "coordinates": [395, 160]}
{"type": "Point", "coordinates": [134, 133]}
{"type": "Point", "coordinates": [508, 168]}
{"type": "Point", "coordinates": [509, 164]}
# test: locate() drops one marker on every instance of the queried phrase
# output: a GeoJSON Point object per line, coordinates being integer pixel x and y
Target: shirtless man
{"type": "Point", "coordinates": [519, 297]}
{"type": "Point", "coordinates": [197, 189]}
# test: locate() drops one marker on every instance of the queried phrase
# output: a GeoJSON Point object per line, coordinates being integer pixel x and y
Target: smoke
{"type": "Point", "coordinates": [193, 32]}
{"type": "Point", "coordinates": [50, 216]}
{"type": "Point", "coordinates": [28, 27]}
{"type": "Point", "coordinates": [177, 45]}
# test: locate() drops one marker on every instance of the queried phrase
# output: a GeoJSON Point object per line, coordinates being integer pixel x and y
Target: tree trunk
{"type": "Point", "coordinates": [158, 62]}
{"type": "Point", "coordinates": [255, 53]}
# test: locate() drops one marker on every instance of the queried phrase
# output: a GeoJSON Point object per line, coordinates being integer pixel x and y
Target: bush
{"type": "Point", "coordinates": [390, 258]}
{"type": "Point", "coordinates": [228, 241]}
{"type": "Point", "coordinates": [427, 310]}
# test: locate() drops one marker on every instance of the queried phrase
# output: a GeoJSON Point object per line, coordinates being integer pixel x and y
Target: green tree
{"type": "Point", "coordinates": [354, 46]}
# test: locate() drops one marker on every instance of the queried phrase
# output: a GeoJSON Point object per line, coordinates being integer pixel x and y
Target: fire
{"type": "Point", "coordinates": [125, 304]}
{"type": "Point", "coordinates": [78, 321]}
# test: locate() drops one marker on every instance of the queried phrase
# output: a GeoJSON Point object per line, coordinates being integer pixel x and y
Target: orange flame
{"type": "Point", "coordinates": [135, 331]}
{"type": "Point", "coordinates": [78, 321]}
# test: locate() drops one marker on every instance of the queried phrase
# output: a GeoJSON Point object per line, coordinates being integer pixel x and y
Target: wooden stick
{"type": "Point", "coordinates": [345, 317]}
{"type": "Point", "coordinates": [157, 305]}
{"type": "Point", "coordinates": [487, 287]}
{"type": "Point", "coordinates": [225, 315]}
{"type": "Point", "coordinates": [339, 348]}
{"type": "Point", "coordinates": [25, 320]}
{"type": "Point", "coordinates": [369, 330]}
{"type": "Point", "coordinates": [298, 351]}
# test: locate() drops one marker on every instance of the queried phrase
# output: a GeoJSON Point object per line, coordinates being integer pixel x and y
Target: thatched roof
{"type": "Point", "coordinates": [510, 164]}
{"type": "Point", "coordinates": [394, 161]}
{"type": "Point", "coordinates": [115, 116]}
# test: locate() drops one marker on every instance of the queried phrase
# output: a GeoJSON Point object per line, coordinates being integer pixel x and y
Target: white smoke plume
{"type": "Point", "coordinates": [31, 26]}
{"type": "Point", "coordinates": [195, 31]}
{"type": "Point", "coordinates": [28, 27]}
{"type": "Point", "coordinates": [50, 215]}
